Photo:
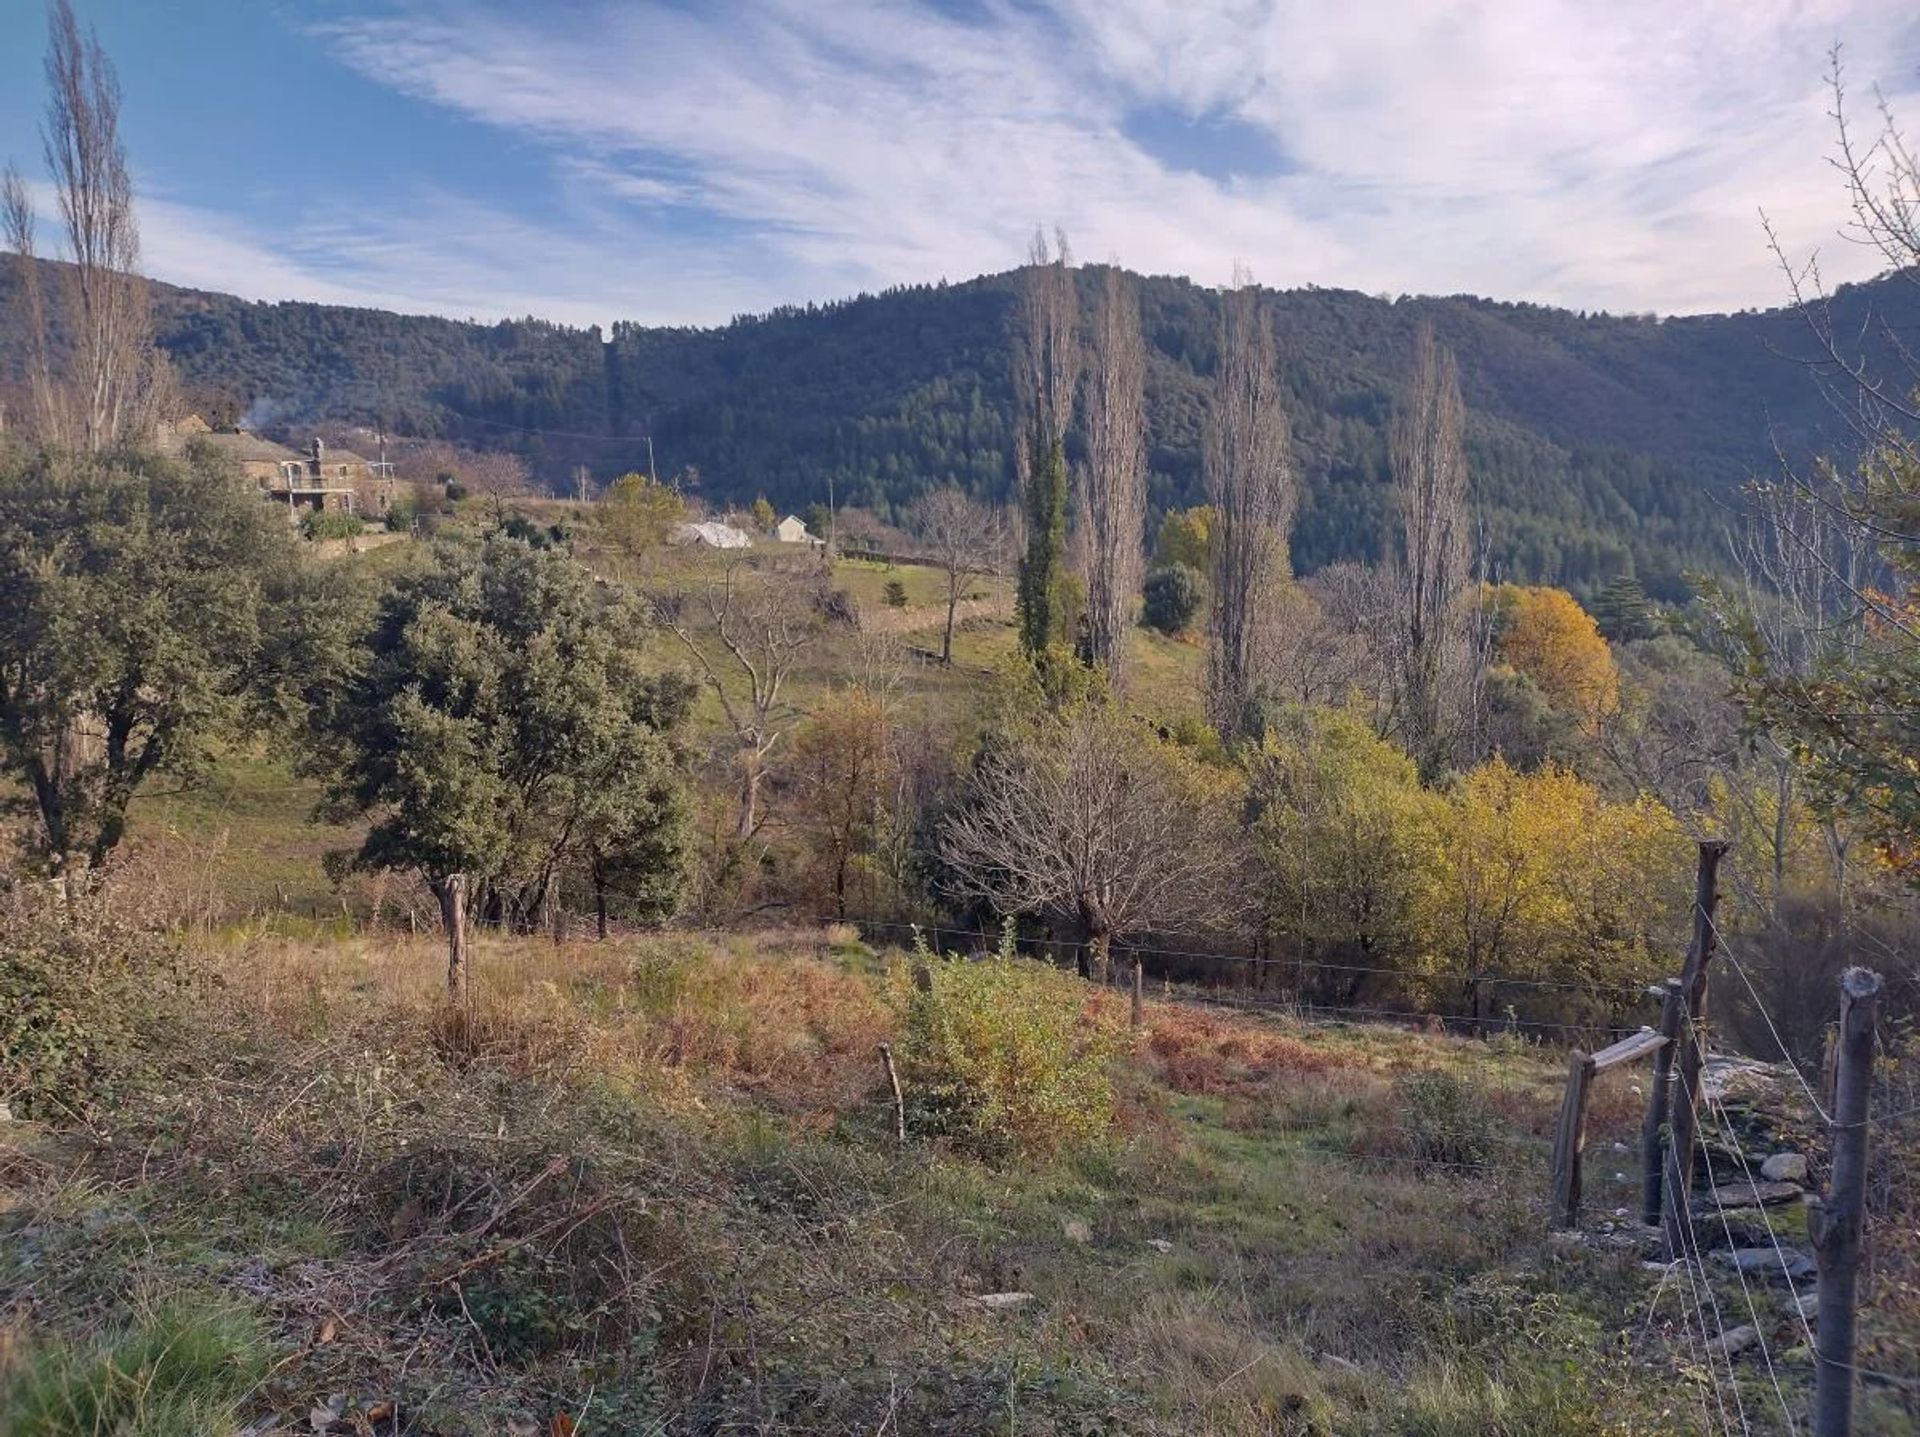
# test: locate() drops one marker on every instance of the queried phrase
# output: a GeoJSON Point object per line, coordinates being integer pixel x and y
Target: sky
{"type": "Point", "coordinates": [680, 162]}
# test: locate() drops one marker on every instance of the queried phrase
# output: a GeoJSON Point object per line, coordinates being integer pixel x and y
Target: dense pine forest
{"type": "Point", "coordinates": [1600, 445]}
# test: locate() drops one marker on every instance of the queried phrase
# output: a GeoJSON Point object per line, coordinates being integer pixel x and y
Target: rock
{"type": "Point", "coordinates": [1724, 1076]}
{"type": "Point", "coordinates": [1076, 1230]}
{"type": "Point", "coordinates": [1732, 1227]}
{"type": "Point", "coordinates": [1766, 1262]}
{"type": "Point", "coordinates": [1785, 1168]}
{"type": "Point", "coordinates": [1000, 1301]}
{"type": "Point", "coordinates": [1159, 1244]}
{"type": "Point", "coordinates": [1808, 1304]}
{"type": "Point", "coordinates": [1756, 1194]}
{"type": "Point", "coordinates": [1734, 1340]}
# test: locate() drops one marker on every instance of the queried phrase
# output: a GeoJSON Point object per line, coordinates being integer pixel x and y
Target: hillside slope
{"type": "Point", "coordinates": [1600, 443]}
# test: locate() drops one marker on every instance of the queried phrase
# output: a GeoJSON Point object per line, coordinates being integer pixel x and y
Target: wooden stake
{"type": "Point", "coordinates": [1568, 1138]}
{"type": "Point", "coordinates": [1683, 1109]}
{"type": "Point", "coordinates": [1653, 1126]}
{"type": "Point", "coordinates": [1136, 1012]}
{"type": "Point", "coordinates": [1838, 1226]}
{"type": "Point", "coordinates": [899, 1098]}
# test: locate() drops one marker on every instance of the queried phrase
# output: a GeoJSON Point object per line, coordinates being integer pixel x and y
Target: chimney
{"type": "Point", "coordinates": [319, 453]}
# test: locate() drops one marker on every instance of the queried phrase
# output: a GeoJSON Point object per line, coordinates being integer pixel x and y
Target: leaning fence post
{"type": "Point", "coordinates": [1651, 1154]}
{"type": "Point", "coordinates": [899, 1098]}
{"type": "Point", "coordinates": [1568, 1139]}
{"type": "Point", "coordinates": [1683, 1108]}
{"type": "Point", "coordinates": [1838, 1226]}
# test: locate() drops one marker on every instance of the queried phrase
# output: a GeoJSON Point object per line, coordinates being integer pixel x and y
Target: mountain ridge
{"type": "Point", "coordinates": [1600, 444]}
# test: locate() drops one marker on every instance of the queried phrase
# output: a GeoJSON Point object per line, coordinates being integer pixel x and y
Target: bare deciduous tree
{"type": "Point", "coordinates": [112, 368]}
{"type": "Point", "coordinates": [761, 623]}
{"type": "Point", "coordinates": [1116, 490]}
{"type": "Point", "coordinates": [1250, 484]}
{"type": "Point", "coordinates": [1432, 628]}
{"type": "Point", "coordinates": [1091, 821]}
{"type": "Point", "coordinates": [16, 210]}
{"type": "Point", "coordinates": [1046, 364]}
{"type": "Point", "coordinates": [964, 538]}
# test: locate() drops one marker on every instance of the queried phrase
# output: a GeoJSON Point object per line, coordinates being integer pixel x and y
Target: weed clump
{"type": "Point", "coordinates": [81, 992]}
{"type": "Point", "coordinates": [1444, 1123]}
{"type": "Point", "coordinates": [183, 1367]}
{"type": "Point", "coordinates": [1004, 1056]}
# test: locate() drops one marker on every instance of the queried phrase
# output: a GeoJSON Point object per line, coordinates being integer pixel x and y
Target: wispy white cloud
{"type": "Point", "coordinates": [1592, 155]}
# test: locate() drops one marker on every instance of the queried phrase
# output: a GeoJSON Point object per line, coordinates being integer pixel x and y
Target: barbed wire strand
{"type": "Point", "coordinates": [1726, 1227]}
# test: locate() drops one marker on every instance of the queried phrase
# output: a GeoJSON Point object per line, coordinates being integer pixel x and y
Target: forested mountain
{"type": "Point", "coordinates": [1600, 444]}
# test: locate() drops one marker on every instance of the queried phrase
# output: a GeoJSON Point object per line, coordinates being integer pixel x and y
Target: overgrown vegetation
{"type": "Point", "coordinates": [1009, 1057]}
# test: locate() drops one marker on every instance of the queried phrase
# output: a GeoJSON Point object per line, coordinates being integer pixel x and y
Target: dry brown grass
{"type": "Point", "coordinates": [1198, 1051]}
{"type": "Point", "coordinates": [666, 1013]}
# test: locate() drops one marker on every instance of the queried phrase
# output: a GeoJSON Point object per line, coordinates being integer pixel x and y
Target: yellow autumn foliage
{"type": "Point", "coordinates": [1545, 634]}
{"type": "Point", "coordinates": [1540, 876]}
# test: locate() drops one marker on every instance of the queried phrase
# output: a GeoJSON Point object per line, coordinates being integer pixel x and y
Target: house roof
{"type": "Point", "coordinates": [250, 448]}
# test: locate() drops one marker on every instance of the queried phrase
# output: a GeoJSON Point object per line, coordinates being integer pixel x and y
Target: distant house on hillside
{"type": "Point", "coordinates": [712, 535]}
{"type": "Point", "coordinates": [321, 478]}
{"type": "Point", "coordinates": [793, 530]}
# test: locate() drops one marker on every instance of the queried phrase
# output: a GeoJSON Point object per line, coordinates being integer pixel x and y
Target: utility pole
{"type": "Point", "coordinates": [1841, 1220]}
{"type": "Point", "coordinates": [652, 473]}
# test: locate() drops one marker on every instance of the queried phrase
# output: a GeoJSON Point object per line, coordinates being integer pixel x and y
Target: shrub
{"type": "Point", "coordinates": [330, 524]}
{"type": "Point", "coordinates": [896, 594]}
{"type": "Point", "coordinates": [80, 993]}
{"type": "Point", "coordinates": [1443, 1121]}
{"type": "Point", "coordinates": [185, 1367]}
{"type": "Point", "coordinates": [1172, 597]}
{"type": "Point", "coordinates": [1005, 1056]}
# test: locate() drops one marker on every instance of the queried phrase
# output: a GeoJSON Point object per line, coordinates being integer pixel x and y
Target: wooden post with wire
{"type": "Point", "coordinates": [1653, 1126]}
{"type": "Point", "coordinates": [1841, 1220]}
{"type": "Point", "coordinates": [1570, 1137]}
{"type": "Point", "coordinates": [1683, 1106]}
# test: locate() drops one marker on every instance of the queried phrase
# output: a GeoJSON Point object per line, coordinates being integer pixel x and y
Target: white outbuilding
{"type": "Point", "coordinates": [792, 530]}
{"type": "Point", "coordinates": [712, 535]}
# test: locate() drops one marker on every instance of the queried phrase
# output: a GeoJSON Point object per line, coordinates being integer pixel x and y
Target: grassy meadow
{"type": "Point", "coordinates": [655, 1188]}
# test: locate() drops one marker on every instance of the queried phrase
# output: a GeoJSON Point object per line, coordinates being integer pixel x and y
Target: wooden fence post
{"type": "Point", "coordinates": [1136, 1011]}
{"type": "Point", "coordinates": [1683, 1108]}
{"type": "Point", "coordinates": [1568, 1138]}
{"type": "Point", "coordinates": [1838, 1226]}
{"type": "Point", "coordinates": [899, 1098]}
{"type": "Point", "coordinates": [1652, 1149]}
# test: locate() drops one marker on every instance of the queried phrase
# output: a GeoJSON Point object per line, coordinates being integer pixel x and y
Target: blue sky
{"type": "Point", "coordinates": [672, 161]}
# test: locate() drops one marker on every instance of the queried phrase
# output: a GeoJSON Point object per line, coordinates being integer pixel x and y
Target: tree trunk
{"type": "Point", "coordinates": [953, 602]}
{"type": "Point", "coordinates": [599, 904]}
{"type": "Point", "coordinates": [749, 796]}
{"type": "Point", "coordinates": [452, 893]}
{"type": "Point", "coordinates": [1101, 964]}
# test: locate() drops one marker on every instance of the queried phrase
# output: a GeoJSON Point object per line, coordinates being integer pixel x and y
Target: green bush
{"type": "Point", "coordinates": [1444, 1121]}
{"type": "Point", "coordinates": [896, 594]}
{"type": "Point", "coordinates": [185, 1367]}
{"type": "Point", "coordinates": [1172, 598]}
{"type": "Point", "coordinates": [81, 994]}
{"type": "Point", "coordinates": [1004, 1056]}
{"type": "Point", "coordinates": [330, 524]}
